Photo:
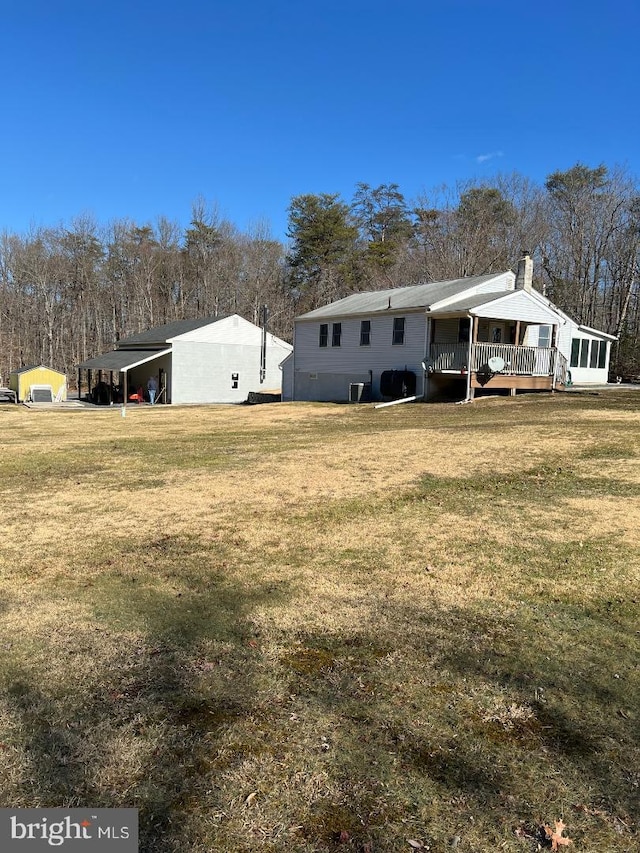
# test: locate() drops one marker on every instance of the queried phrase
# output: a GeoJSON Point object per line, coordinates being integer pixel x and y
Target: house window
{"type": "Point", "coordinates": [398, 331]}
{"type": "Point", "coordinates": [336, 334]}
{"type": "Point", "coordinates": [324, 334]}
{"type": "Point", "coordinates": [464, 330]}
{"type": "Point", "coordinates": [544, 336]}
{"type": "Point", "coordinates": [595, 352]}
{"type": "Point", "coordinates": [496, 335]}
{"type": "Point", "coordinates": [602, 357]}
{"type": "Point", "coordinates": [575, 352]}
{"type": "Point", "coordinates": [234, 381]}
{"type": "Point", "coordinates": [365, 333]}
{"type": "Point", "coordinates": [584, 352]}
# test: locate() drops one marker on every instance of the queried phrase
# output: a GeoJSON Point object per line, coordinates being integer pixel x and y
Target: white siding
{"type": "Point", "coordinates": [229, 330]}
{"type": "Point", "coordinates": [521, 306]}
{"type": "Point", "coordinates": [336, 367]}
{"type": "Point", "coordinates": [202, 372]}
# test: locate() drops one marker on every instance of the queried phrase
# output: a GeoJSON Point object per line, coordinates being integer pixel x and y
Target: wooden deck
{"type": "Point", "coordinates": [533, 368]}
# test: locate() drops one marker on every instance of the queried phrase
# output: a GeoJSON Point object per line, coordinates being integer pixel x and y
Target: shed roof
{"type": "Point", "coordinates": [121, 360]}
{"type": "Point", "coordinates": [161, 334]}
{"type": "Point", "coordinates": [398, 298]}
{"type": "Point", "coordinates": [26, 369]}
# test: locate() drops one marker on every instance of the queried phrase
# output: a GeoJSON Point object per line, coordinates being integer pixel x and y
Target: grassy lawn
{"type": "Point", "coordinates": [310, 628]}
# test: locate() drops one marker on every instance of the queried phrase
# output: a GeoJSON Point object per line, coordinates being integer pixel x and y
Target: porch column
{"type": "Point", "coordinates": [517, 340]}
{"type": "Point", "coordinates": [473, 338]}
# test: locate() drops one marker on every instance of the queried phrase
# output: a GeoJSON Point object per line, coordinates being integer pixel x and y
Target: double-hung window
{"type": "Point", "coordinates": [398, 331]}
{"type": "Point", "coordinates": [324, 335]}
{"type": "Point", "coordinates": [336, 334]}
{"type": "Point", "coordinates": [544, 336]}
{"type": "Point", "coordinates": [365, 333]}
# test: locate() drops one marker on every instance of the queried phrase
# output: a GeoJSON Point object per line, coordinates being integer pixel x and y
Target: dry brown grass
{"type": "Point", "coordinates": [281, 626]}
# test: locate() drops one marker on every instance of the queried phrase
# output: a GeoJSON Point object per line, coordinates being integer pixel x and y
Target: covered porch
{"type": "Point", "coordinates": [120, 376]}
{"type": "Point", "coordinates": [498, 354]}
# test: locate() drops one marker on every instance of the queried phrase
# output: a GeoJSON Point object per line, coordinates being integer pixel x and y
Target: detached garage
{"type": "Point", "coordinates": [209, 360]}
{"type": "Point", "coordinates": [38, 384]}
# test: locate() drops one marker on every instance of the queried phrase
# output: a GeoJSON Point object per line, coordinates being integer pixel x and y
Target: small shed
{"type": "Point", "coordinates": [23, 380]}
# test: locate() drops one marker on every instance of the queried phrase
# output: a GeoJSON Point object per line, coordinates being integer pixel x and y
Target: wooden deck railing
{"type": "Point", "coordinates": [518, 360]}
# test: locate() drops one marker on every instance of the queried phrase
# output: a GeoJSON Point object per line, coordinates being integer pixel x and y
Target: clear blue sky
{"type": "Point", "coordinates": [122, 108]}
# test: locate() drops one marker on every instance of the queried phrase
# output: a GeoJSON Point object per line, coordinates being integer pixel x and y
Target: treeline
{"type": "Point", "coordinates": [69, 292]}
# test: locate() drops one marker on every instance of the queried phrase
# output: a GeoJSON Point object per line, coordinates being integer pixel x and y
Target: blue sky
{"type": "Point", "coordinates": [134, 109]}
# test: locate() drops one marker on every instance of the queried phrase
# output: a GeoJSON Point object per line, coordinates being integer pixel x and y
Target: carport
{"type": "Point", "coordinates": [121, 362]}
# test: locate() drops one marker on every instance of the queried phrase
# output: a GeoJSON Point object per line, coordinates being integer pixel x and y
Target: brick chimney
{"type": "Point", "coordinates": [524, 276]}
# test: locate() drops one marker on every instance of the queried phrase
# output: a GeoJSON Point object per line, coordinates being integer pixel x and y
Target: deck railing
{"type": "Point", "coordinates": [448, 357]}
{"type": "Point", "coordinates": [518, 360]}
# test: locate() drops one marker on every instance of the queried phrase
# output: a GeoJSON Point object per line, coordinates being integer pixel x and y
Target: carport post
{"type": "Point", "coordinates": [124, 390]}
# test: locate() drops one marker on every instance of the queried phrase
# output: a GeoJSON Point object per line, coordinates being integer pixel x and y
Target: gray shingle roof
{"type": "Point", "coordinates": [160, 334]}
{"type": "Point", "coordinates": [399, 298]}
{"type": "Point", "coordinates": [120, 359]}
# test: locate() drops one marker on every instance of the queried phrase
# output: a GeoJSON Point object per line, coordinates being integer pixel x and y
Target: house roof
{"type": "Point", "coordinates": [161, 334]}
{"type": "Point", "coordinates": [468, 303]}
{"type": "Point", "coordinates": [399, 298]}
{"type": "Point", "coordinates": [121, 359]}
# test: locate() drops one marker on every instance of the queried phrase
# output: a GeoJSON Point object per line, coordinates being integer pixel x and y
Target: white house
{"type": "Point", "coordinates": [211, 360]}
{"type": "Point", "coordinates": [448, 338]}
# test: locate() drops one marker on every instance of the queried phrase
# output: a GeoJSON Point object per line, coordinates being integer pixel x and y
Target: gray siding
{"type": "Point", "coordinates": [336, 367]}
{"type": "Point", "coordinates": [446, 331]}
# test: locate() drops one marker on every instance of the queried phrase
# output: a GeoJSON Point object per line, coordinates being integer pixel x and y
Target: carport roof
{"type": "Point", "coordinates": [122, 360]}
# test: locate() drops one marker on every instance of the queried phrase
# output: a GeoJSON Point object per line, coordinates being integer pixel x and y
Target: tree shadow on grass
{"type": "Point", "coordinates": [502, 707]}
{"type": "Point", "coordinates": [179, 672]}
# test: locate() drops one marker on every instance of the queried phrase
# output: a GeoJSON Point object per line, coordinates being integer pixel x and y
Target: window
{"type": "Point", "coordinates": [324, 334]}
{"type": "Point", "coordinates": [595, 352]}
{"type": "Point", "coordinates": [602, 358]}
{"type": "Point", "coordinates": [234, 381]}
{"type": "Point", "coordinates": [336, 334]}
{"type": "Point", "coordinates": [584, 352]}
{"type": "Point", "coordinates": [496, 335]}
{"type": "Point", "coordinates": [398, 331]}
{"type": "Point", "coordinates": [365, 333]}
{"type": "Point", "coordinates": [575, 352]}
{"type": "Point", "coordinates": [464, 330]}
{"type": "Point", "coordinates": [544, 336]}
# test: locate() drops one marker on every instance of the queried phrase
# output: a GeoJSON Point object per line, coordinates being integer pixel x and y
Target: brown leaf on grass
{"type": "Point", "coordinates": [250, 798]}
{"type": "Point", "coordinates": [344, 836]}
{"type": "Point", "coordinates": [555, 835]}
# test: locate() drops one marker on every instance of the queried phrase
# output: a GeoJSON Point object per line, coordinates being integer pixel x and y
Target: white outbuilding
{"type": "Point", "coordinates": [209, 360]}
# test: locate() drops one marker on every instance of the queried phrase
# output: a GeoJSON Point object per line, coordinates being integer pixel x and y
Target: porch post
{"type": "Point", "coordinates": [473, 337]}
{"type": "Point", "coordinates": [517, 341]}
